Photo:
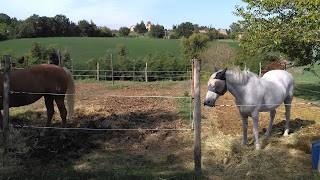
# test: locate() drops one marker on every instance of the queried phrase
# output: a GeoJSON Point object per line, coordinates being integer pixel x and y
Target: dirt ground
{"type": "Point", "coordinates": [100, 108]}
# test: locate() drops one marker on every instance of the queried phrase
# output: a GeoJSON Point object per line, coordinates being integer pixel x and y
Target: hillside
{"type": "Point", "coordinates": [85, 48]}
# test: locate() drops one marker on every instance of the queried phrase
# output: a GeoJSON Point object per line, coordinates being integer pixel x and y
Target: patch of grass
{"type": "Point", "coordinates": [22, 113]}
{"type": "Point", "coordinates": [89, 80]}
{"type": "Point", "coordinates": [230, 42]}
{"type": "Point", "coordinates": [307, 84]}
{"type": "Point", "coordinates": [316, 175]}
{"type": "Point", "coordinates": [125, 84]}
{"type": "Point", "coordinates": [186, 106]}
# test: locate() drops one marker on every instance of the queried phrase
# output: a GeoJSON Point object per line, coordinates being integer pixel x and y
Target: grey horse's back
{"type": "Point", "coordinates": [281, 77]}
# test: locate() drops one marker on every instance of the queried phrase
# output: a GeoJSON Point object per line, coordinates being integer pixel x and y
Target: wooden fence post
{"type": "Point", "coordinates": [192, 78]}
{"type": "Point", "coordinates": [134, 69]}
{"type": "Point", "coordinates": [197, 117]}
{"type": "Point", "coordinates": [146, 72]}
{"type": "Point", "coordinates": [72, 66]}
{"type": "Point", "coordinates": [98, 71]}
{"type": "Point", "coordinates": [6, 90]}
{"type": "Point", "coordinates": [59, 58]}
{"type": "Point", "coordinates": [260, 69]}
{"type": "Point", "coordinates": [112, 76]}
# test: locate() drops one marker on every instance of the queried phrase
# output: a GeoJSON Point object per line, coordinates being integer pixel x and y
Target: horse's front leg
{"type": "Point", "coordinates": [244, 128]}
{"type": "Point", "coordinates": [255, 117]}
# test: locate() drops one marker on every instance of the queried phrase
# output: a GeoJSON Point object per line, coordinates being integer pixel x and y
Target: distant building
{"type": "Point", "coordinates": [148, 27]}
{"type": "Point", "coordinates": [132, 28]}
{"type": "Point", "coordinates": [223, 31]}
{"type": "Point", "coordinates": [205, 31]}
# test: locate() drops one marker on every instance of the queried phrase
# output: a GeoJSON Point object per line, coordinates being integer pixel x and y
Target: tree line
{"type": "Point", "coordinates": [61, 26]}
{"type": "Point", "coordinates": [42, 26]}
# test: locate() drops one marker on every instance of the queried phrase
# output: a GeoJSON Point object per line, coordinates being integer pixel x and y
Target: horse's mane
{"type": "Point", "coordinates": [236, 75]}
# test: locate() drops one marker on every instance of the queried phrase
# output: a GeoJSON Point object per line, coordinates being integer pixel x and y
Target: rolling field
{"type": "Point", "coordinates": [85, 48]}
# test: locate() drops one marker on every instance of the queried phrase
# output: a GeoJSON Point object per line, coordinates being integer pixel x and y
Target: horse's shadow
{"type": "Point", "coordinates": [295, 125]}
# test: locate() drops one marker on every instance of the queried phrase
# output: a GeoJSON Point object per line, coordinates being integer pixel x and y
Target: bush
{"type": "Point", "coordinates": [217, 55]}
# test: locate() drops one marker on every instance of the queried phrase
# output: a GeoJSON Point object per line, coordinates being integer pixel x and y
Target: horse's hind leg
{"type": "Point", "coordinates": [50, 108]}
{"type": "Point", "coordinates": [62, 108]}
{"type": "Point", "coordinates": [272, 115]}
{"type": "Point", "coordinates": [244, 128]}
{"type": "Point", "coordinates": [287, 103]}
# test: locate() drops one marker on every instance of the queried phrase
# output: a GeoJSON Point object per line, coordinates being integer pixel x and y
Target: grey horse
{"type": "Point", "coordinates": [253, 95]}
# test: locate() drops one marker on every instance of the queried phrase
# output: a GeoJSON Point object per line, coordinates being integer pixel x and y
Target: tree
{"type": "Point", "coordinates": [30, 28]}
{"type": "Point", "coordinates": [290, 27]}
{"type": "Point", "coordinates": [36, 53]}
{"type": "Point", "coordinates": [157, 31]}
{"type": "Point", "coordinates": [141, 28]}
{"type": "Point", "coordinates": [185, 29]}
{"type": "Point", "coordinates": [86, 29]}
{"type": "Point", "coordinates": [124, 31]}
{"type": "Point", "coordinates": [3, 31]}
{"type": "Point", "coordinates": [121, 50]}
{"type": "Point", "coordinates": [218, 55]}
{"type": "Point", "coordinates": [104, 32]}
{"type": "Point", "coordinates": [5, 18]}
{"type": "Point", "coordinates": [213, 34]}
{"type": "Point", "coordinates": [235, 29]}
{"type": "Point", "coordinates": [62, 25]}
{"type": "Point", "coordinates": [74, 30]}
{"type": "Point", "coordinates": [193, 46]}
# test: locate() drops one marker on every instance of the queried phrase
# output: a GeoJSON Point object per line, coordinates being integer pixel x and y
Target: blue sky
{"type": "Point", "coordinates": [117, 13]}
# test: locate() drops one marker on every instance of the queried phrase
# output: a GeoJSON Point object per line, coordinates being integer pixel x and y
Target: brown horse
{"type": "Point", "coordinates": [30, 84]}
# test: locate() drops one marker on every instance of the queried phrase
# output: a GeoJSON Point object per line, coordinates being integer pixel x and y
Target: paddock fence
{"type": "Point", "coordinates": [195, 114]}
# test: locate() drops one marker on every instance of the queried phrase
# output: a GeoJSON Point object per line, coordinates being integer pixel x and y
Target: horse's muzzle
{"type": "Point", "coordinates": [209, 104]}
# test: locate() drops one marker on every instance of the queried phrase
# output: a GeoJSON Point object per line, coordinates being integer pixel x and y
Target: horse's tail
{"type": "Point", "coordinates": [70, 93]}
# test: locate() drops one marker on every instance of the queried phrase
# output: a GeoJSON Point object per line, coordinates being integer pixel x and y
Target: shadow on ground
{"type": "Point", "coordinates": [117, 153]}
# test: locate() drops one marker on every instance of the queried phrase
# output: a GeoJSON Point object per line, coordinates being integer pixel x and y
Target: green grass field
{"type": "Point", "coordinates": [307, 84]}
{"type": "Point", "coordinates": [85, 48]}
{"type": "Point", "coordinates": [230, 42]}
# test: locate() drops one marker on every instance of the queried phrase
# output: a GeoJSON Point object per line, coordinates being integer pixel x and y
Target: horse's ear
{"type": "Point", "coordinates": [215, 69]}
{"type": "Point", "coordinates": [224, 71]}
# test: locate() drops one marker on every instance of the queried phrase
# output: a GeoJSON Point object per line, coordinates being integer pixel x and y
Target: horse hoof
{"type": "Point", "coordinates": [286, 132]}
{"type": "Point", "coordinates": [258, 146]}
{"type": "Point", "coordinates": [267, 135]}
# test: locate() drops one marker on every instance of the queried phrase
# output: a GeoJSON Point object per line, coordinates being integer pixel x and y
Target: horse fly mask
{"type": "Point", "coordinates": [218, 85]}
